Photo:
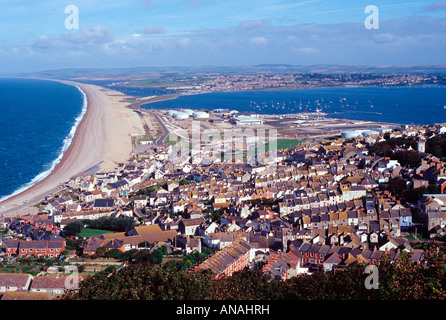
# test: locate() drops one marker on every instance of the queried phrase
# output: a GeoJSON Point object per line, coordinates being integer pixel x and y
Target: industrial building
{"type": "Point", "coordinates": [200, 115]}
{"type": "Point", "coordinates": [180, 115]}
{"type": "Point", "coordinates": [247, 121]}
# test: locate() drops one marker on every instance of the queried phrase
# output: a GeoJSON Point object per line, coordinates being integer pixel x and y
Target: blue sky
{"type": "Point", "coordinates": [136, 33]}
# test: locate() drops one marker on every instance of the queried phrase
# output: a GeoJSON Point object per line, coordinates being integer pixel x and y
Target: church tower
{"type": "Point", "coordinates": [421, 144]}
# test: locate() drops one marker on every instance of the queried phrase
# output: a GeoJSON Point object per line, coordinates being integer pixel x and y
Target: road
{"type": "Point", "coordinates": [160, 140]}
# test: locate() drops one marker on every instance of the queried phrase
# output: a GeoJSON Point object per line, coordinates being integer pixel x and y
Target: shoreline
{"type": "Point", "coordinates": [102, 138]}
{"type": "Point", "coordinates": [67, 141]}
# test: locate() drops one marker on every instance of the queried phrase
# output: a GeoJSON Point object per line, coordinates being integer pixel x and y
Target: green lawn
{"type": "Point", "coordinates": [88, 232]}
{"type": "Point", "coordinates": [285, 144]}
{"type": "Point", "coordinates": [288, 143]}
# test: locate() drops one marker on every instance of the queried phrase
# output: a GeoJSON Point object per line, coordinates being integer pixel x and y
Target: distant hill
{"type": "Point", "coordinates": [133, 73]}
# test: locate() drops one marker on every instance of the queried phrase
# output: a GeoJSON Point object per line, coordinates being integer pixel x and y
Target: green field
{"type": "Point", "coordinates": [88, 232]}
{"type": "Point", "coordinates": [288, 143]}
{"type": "Point", "coordinates": [285, 144]}
{"type": "Point", "coordinates": [281, 144]}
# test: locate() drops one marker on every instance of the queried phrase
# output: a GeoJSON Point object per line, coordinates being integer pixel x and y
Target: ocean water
{"type": "Point", "coordinates": [37, 123]}
{"type": "Point", "coordinates": [403, 105]}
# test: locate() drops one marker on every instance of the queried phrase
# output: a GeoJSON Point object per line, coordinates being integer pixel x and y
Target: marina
{"type": "Point", "coordinates": [384, 104]}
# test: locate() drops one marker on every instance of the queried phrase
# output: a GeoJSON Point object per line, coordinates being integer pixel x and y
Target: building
{"type": "Point", "coordinates": [189, 227]}
{"type": "Point", "coordinates": [125, 241]}
{"type": "Point", "coordinates": [231, 259]}
{"type": "Point", "coordinates": [247, 121]}
{"type": "Point", "coordinates": [140, 201]}
{"type": "Point", "coordinates": [38, 248]}
{"type": "Point", "coordinates": [103, 204]}
{"type": "Point", "coordinates": [180, 115]}
{"type": "Point", "coordinates": [15, 281]}
{"type": "Point", "coordinates": [352, 192]}
{"type": "Point", "coordinates": [421, 145]}
{"type": "Point", "coordinates": [200, 115]}
{"type": "Point", "coordinates": [50, 284]}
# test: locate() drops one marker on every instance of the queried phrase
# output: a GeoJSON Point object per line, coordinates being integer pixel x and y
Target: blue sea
{"type": "Point", "coordinates": [403, 105]}
{"type": "Point", "coordinates": [37, 123]}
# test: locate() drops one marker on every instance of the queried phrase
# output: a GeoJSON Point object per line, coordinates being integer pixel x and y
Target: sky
{"type": "Point", "coordinates": [40, 35]}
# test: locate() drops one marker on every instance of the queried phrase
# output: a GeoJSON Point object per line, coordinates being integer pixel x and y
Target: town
{"type": "Point", "coordinates": [328, 204]}
{"type": "Point", "coordinates": [239, 81]}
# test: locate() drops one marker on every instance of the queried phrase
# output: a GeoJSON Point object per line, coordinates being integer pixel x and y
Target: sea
{"type": "Point", "coordinates": [39, 117]}
{"type": "Point", "coordinates": [397, 104]}
{"type": "Point", "coordinates": [37, 124]}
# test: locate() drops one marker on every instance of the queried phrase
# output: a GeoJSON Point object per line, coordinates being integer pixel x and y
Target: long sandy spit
{"type": "Point", "coordinates": [102, 139]}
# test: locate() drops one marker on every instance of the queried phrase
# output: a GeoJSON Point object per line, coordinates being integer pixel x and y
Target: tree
{"type": "Point", "coordinates": [407, 158]}
{"type": "Point", "coordinates": [248, 285]}
{"type": "Point", "coordinates": [397, 185]}
{"type": "Point", "coordinates": [401, 279]}
{"type": "Point", "coordinates": [101, 251]}
{"type": "Point", "coordinates": [413, 195]}
{"type": "Point", "coordinates": [407, 280]}
{"type": "Point", "coordinates": [111, 224]}
{"type": "Point", "coordinates": [110, 269]}
{"type": "Point", "coordinates": [114, 254]}
{"type": "Point", "coordinates": [73, 228]}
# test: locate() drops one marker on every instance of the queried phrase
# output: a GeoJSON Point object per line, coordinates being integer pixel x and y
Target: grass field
{"type": "Point", "coordinates": [87, 232]}
{"type": "Point", "coordinates": [281, 144]}
{"type": "Point", "coordinates": [285, 144]}
{"type": "Point", "coordinates": [288, 143]}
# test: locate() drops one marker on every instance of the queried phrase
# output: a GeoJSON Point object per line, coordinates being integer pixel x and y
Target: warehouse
{"type": "Point", "coordinates": [247, 121]}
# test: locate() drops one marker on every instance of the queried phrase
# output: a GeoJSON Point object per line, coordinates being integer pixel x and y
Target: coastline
{"type": "Point", "coordinates": [66, 144]}
{"type": "Point", "coordinates": [102, 138]}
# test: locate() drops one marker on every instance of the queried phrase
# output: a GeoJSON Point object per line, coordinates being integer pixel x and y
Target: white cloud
{"type": "Point", "coordinates": [384, 37]}
{"type": "Point", "coordinates": [258, 41]}
{"type": "Point", "coordinates": [399, 41]}
{"type": "Point", "coordinates": [182, 43]}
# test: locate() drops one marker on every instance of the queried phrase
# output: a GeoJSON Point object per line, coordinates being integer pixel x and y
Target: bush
{"type": "Point", "coordinates": [403, 279]}
{"type": "Point", "coordinates": [111, 224]}
{"type": "Point", "coordinates": [114, 254]}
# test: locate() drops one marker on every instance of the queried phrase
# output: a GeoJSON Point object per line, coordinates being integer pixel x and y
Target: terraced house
{"type": "Point", "coordinates": [38, 248]}
{"type": "Point", "coordinates": [230, 259]}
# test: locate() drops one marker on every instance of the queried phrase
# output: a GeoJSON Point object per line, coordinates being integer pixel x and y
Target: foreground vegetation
{"type": "Point", "coordinates": [404, 280]}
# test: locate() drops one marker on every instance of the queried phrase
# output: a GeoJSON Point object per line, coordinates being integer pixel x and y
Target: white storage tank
{"type": "Point", "coordinates": [369, 132]}
{"type": "Point", "coordinates": [200, 115]}
{"type": "Point", "coordinates": [180, 115]}
{"type": "Point", "coordinates": [188, 111]}
{"type": "Point", "coordinates": [351, 133]}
